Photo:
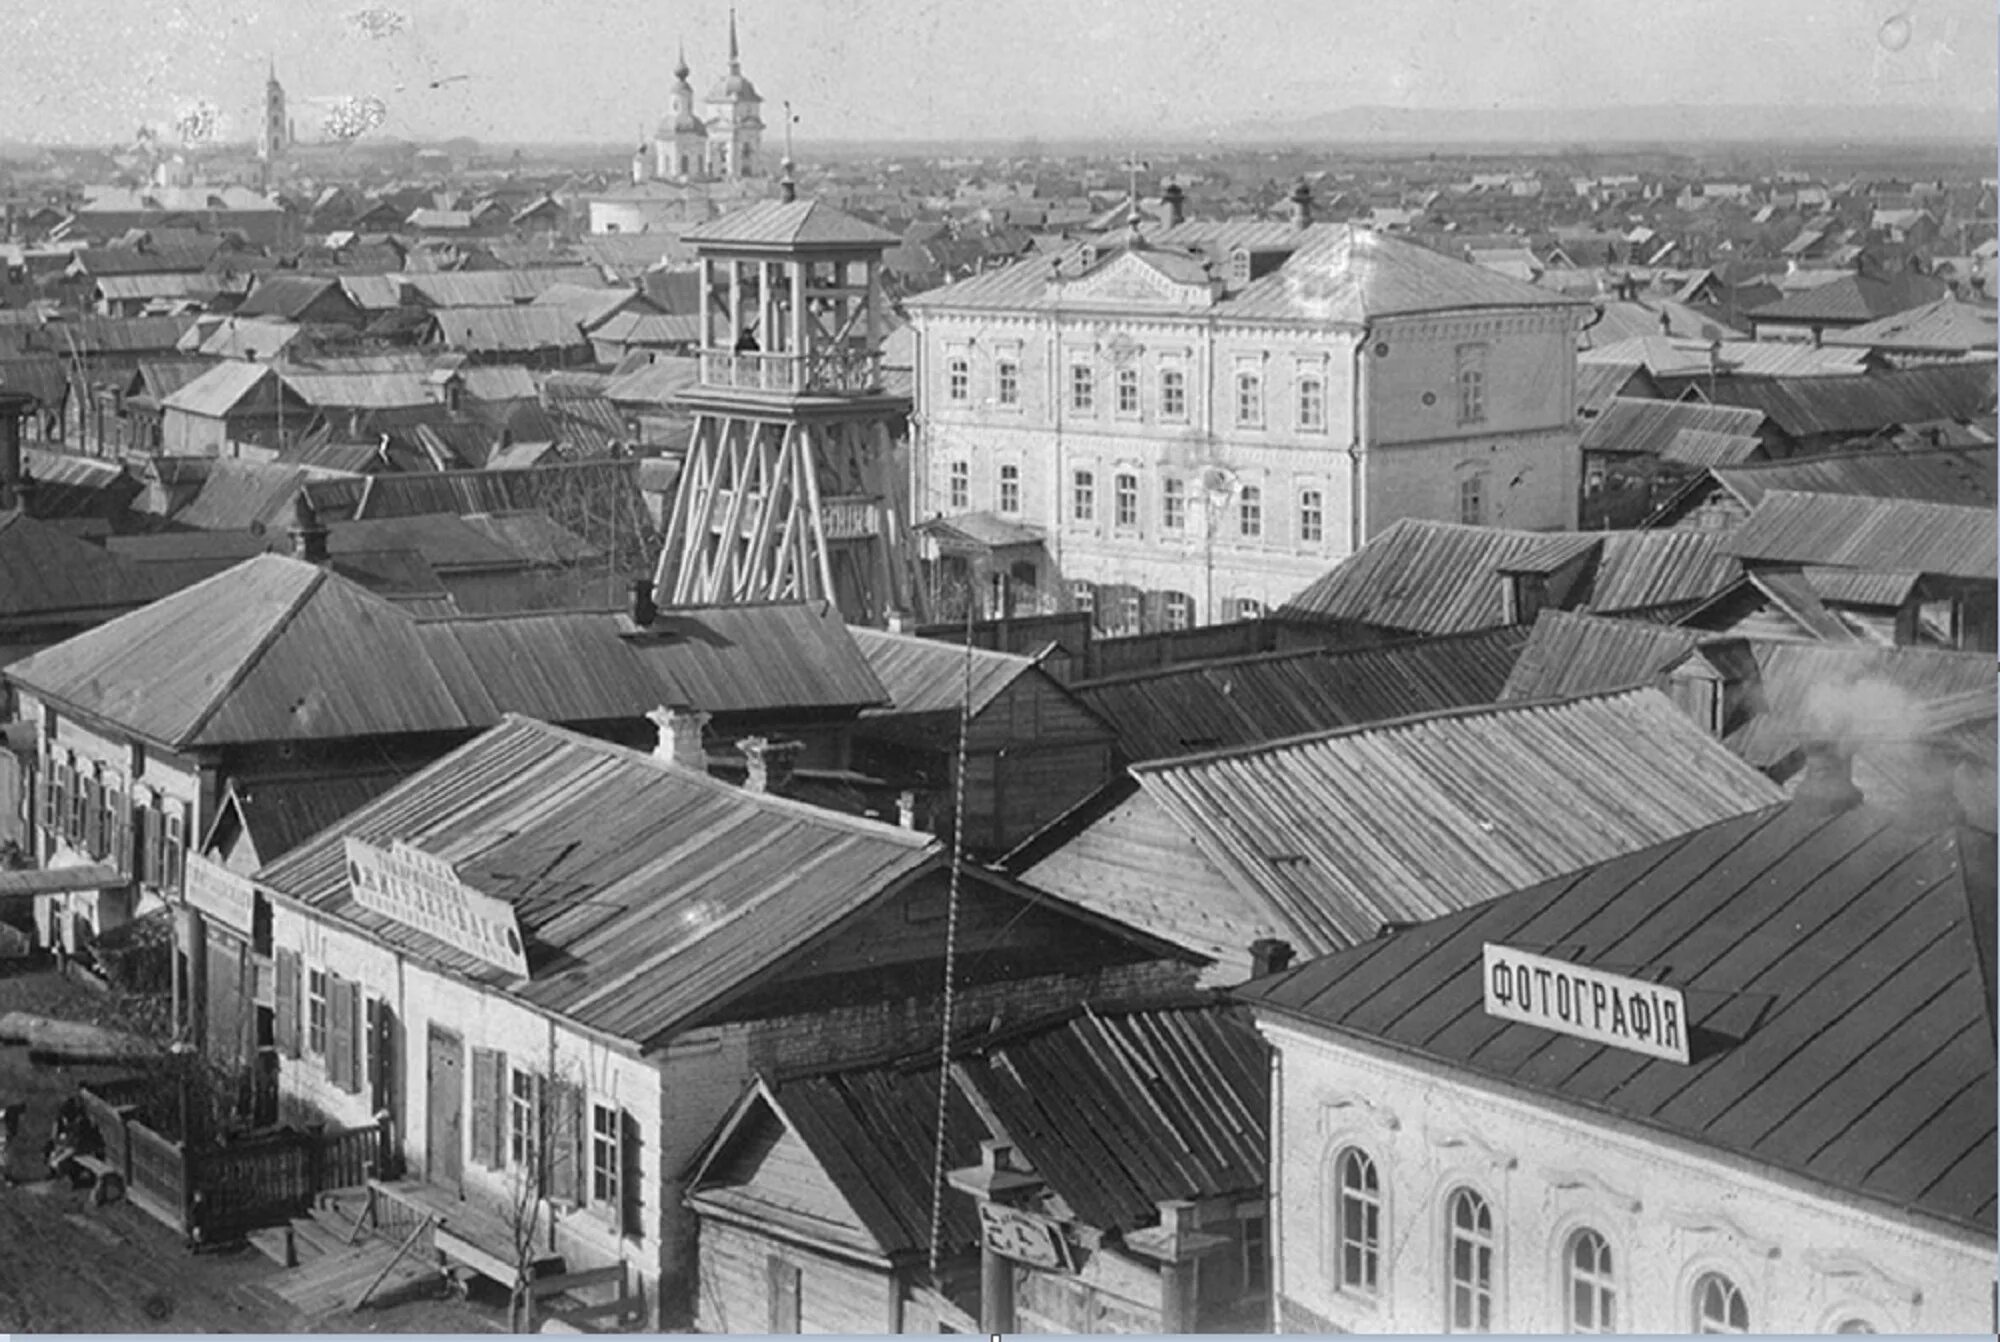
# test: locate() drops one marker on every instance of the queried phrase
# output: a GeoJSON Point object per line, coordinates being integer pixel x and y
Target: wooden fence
{"type": "Point", "coordinates": [213, 1193]}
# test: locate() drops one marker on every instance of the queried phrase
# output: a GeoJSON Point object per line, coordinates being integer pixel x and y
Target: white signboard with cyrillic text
{"type": "Point", "coordinates": [1612, 1009]}
{"type": "Point", "coordinates": [219, 892]}
{"type": "Point", "coordinates": [424, 892]}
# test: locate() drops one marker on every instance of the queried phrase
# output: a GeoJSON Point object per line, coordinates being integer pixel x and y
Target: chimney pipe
{"type": "Point", "coordinates": [788, 190]}
{"type": "Point", "coordinates": [1268, 955]}
{"type": "Point", "coordinates": [1826, 784]}
{"type": "Point", "coordinates": [1302, 204]}
{"type": "Point", "coordinates": [771, 764]}
{"type": "Point", "coordinates": [309, 534]}
{"type": "Point", "coordinates": [681, 728]}
{"type": "Point", "coordinates": [906, 810]}
{"type": "Point", "coordinates": [13, 407]}
{"type": "Point", "coordinates": [1175, 200]}
{"type": "Point", "coordinates": [642, 609]}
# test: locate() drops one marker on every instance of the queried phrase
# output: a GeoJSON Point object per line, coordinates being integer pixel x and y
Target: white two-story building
{"type": "Point", "coordinates": [1191, 426]}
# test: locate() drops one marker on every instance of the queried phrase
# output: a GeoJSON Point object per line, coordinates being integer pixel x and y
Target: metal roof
{"type": "Point", "coordinates": [521, 328]}
{"type": "Point", "coordinates": [286, 295]}
{"type": "Point", "coordinates": [1175, 710]}
{"type": "Point", "coordinates": [1424, 577]}
{"type": "Point", "coordinates": [1946, 326]}
{"type": "Point", "coordinates": [218, 391]}
{"type": "Point", "coordinates": [925, 675]}
{"type": "Point", "coordinates": [1854, 298]}
{"type": "Point", "coordinates": [493, 288]}
{"type": "Point", "coordinates": [1961, 475]}
{"type": "Point", "coordinates": [1881, 535]}
{"type": "Point", "coordinates": [1702, 447]}
{"type": "Point", "coordinates": [275, 649]}
{"type": "Point", "coordinates": [1598, 382]}
{"type": "Point", "coordinates": [237, 494]}
{"type": "Point", "coordinates": [1572, 653]}
{"type": "Point", "coordinates": [1344, 833]}
{"type": "Point", "coordinates": [282, 813]}
{"type": "Point", "coordinates": [475, 491]}
{"type": "Point", "coordinates": [644, 891]}
{"type": "Point", "coordinates": [1812, 407]}
{"type": "Point", "coordinates": [1668, 357]}
{"type": "Point", "coordinates": [46, 571]}
{"type": "Point", "coordinates": [788, 223]}
{"type": "Point", "coordinates": [1872, 698]}
{"type": "Point", "coordinates": [1633, 424]}
{"type": "Point", "coordinates": [1838, 967]}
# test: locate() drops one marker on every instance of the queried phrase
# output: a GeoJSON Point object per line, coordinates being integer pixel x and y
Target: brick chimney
{"type": "Point", "coordinates": [1826, 785]}
{"type": "Point", "coordinates": [681, 729]}
{"type": "Point", "coordinates": [1268, 955]}
{"type": "Point", "coordinates": [642, 609]}
{"type": "Point", "coordinates": [309, 534]}
{"type": "Point", "coordinates": [1175, 200]}
{"type": "Point", "coordinates": [771, 764]}
{"type": "Point", "coordinates": [1302, 204]}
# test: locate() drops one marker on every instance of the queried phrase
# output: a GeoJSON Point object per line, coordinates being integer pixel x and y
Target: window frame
{"type": "Point", "coordinates": [524, 1120]}
{"type": "Point", "coordinates": [1083, 597]}
{"type": "Point", "coordinates": [317, 1015]}
{"type": "Point", "coordinates": [1472, 486]}
{"type": "Point", "coordinates": [1312, 515]}
{"type": "Point", "coordinates": [1600, 1280]}
{"type": "Point", "coordinates": [1698, 1318]}
{"type": "Point", "coordinates": [607, 1188]}
{"type": "Point", "coordinates": [1250, 512]}
{"type": "Point", "coordinates": [1173, 394]}
{"type": "Point", "coordinates": [958, 486]}
{"type": "Point", "coordinates": [1007, 380]}
{"type": "Point", "coordinates": [1469, 380]}
{"type": "Point", "coordinates": [1083, 496]}
{"type": "Point", "coordinates": [1173, 504]}
{"type": "Point", "coordinates": [1082, 387]}
{"type": "Point", "coordinates": [1249, 398]}
{"type": "Point", "coordinates": [1125, 501]}
{"type": "Point", "coordinates": [1248, 608]}
{"type": "Point", "coordinates": [1366, 1196]}
{"type": "Point", "coordinates": [1311, 393]}
{"type": "Point", "coordinates": [958, 379]}
{"type": "Point", "coordinates": [1008, 500]}
{"type": "Point", "coordinates": [1177, 611]}
{"type": "Point", "coordinates": [1483, 1245]}
{"type": "Point", "coordinates": [1125, 388]}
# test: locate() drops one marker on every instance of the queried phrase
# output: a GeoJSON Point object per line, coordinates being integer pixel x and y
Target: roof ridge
{"type": "Point", "coordinates": [244, 664]}
{"type": "Point", "coordinates": [838, 820]}
{"type": "Point", "coordinates": [1401, 643]}
{"type": "Point", "coordinates": [1414, 719]}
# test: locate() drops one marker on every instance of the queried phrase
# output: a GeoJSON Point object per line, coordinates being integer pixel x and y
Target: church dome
{"type": "Point", "coordinates": [685, 124]}
{"type": "Point", "coordinates": [734, 88]}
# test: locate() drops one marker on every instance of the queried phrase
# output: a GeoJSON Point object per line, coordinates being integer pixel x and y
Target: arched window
{"type": "Point", "coordinates": [1719, 1306]}
{"type": "Point", "coordinates": [1469, 1259]}
{"type": "Point", "coordinates": [1593, 1292]}
{"type": "Point", "coordinates": [1358, 1232]}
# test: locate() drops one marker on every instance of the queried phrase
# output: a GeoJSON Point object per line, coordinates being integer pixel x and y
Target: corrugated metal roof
{"type": "Point", "coordinates": [1855, 298]}
{"type": "Point", "coordinates": [1631, 424]}
{"type": "Point", "coordinates": [46, 571]}
{"type": "Point", "coordinates": [518, 329]}
{"type": "Point", "coordinates": [275, 649]}
{"type": "Point", "coordinates": [1597, 383]}
{"type": "Point", "coordinates": [1869, 1068]}
{"type": "Point", "coordinates": [360, 391]}
{"type": "Point", "coordinates": [219, 390]}
{"type": "Point", "coordinates": [1964, 475]}
{"type": "Point", "coordinates": [475, 491]}
{"type": "Point", "coordinates": [494, 288]}
{"type": "Point", "coordinates": [1947, 325]}
{"type": "Point", "coordinates": [1344, 833]}
{"type": "Point", "coordinates": [643, 891]}
{"type": "Point", "coordinates": [660, 382]}
{"type": "Point", "coordinates": [1570, 653]}
{"type": "Point", "coordinates": [67, 485]}
{"type": "Point", "coordinates": [1122, 1111]}
{"type": "Point", "coordinates": [285, 295]}
{"type": "Point", "coordinates": [925, 675]}
{"type": "Point", "coordinates": [112, 335]}
{"type": "Point", "coordinates": [1701, 447]}
{"type": "Point", "coordinates": [788, 223]}
{"type": "Point", "coordinates": [1815, 407]}
{"type": "Point", "coordinates": [1883, 535]}
{"type": "Point", "coordinates": [1425, 577]}
{"type": "Point", "coordinates": [238, 495]}
{"type": "Point", "coordinates": [1176, 710]}
{"type": "Point", "coordinates": [1858, 587]}
{"type": "Point", "coordinates": [1667, 357]}
{"type": "Point", "coordinates": [1873, 699]}
{"type": "Point", "coordinates": [282, 813]}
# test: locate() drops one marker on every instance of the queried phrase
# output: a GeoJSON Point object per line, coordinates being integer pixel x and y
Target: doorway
{"type": "Point", "coordinates": [444, 1152]}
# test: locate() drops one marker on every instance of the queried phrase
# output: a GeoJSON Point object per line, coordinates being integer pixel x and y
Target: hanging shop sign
{"type": "Point", "coordinates": [424, 892]}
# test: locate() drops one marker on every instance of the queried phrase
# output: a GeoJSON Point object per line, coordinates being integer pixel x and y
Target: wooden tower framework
{"type": "Point", "coordinates": [790, 490]}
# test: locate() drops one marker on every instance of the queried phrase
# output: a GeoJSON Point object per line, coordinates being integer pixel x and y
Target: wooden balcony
{"type": "Point", "coordinates": [817, 372]}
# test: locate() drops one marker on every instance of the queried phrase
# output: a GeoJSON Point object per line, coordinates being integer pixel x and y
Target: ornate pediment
{"type": "Point", "coordinates": [1133, 279]}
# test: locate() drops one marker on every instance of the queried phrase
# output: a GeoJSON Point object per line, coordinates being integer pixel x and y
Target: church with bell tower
{"type": "Point", "coordinates": [726, 144]}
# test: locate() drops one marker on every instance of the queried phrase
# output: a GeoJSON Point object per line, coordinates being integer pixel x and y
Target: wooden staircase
{"type": "Point", "coordinates": [340, 1259]}
{"type": "Point", "coordinates": [327, 1228]}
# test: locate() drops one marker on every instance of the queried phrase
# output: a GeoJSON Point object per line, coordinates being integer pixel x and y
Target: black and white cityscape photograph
{"type": "Point", "coordinates": [1062, 666]}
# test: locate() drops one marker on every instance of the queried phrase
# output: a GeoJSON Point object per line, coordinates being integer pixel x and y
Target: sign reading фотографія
{"type": "Point", "coordinates": [1612, 1009]}
{"type": "Point", "coordinates": [424, 892]}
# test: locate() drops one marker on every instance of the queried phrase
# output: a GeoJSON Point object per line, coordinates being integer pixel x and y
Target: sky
{"type": "Point", "coordinates": [92, 71]}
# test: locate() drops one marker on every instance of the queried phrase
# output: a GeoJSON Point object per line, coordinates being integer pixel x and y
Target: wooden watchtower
{"type": "Point", "coordinates": [790, 491]}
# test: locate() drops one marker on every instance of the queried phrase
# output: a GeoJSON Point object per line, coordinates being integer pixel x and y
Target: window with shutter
{"type": "Point", "coordinates": [121, 831]}
{"type": "Point", "coordinates": [489, 1070]}
{"type": "Point", "coordinates": [357, 1059]}
{"type": "Point", "coordinates": [46, 791]}
{"type": "Point", "coordinates": [156, 843]}
{"type": "Point", "coordinates": [524, 1120]}
{"type": "Point", "coordinates": [632, 1209]}
{"type": "Point", "coordinates": [285, 1003]}
{"type": "Point", "coordinates": [93, 815]}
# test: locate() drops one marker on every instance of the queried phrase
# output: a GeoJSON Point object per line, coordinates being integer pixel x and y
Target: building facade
{"type": "Point", "coordinates": [1204, 421]}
